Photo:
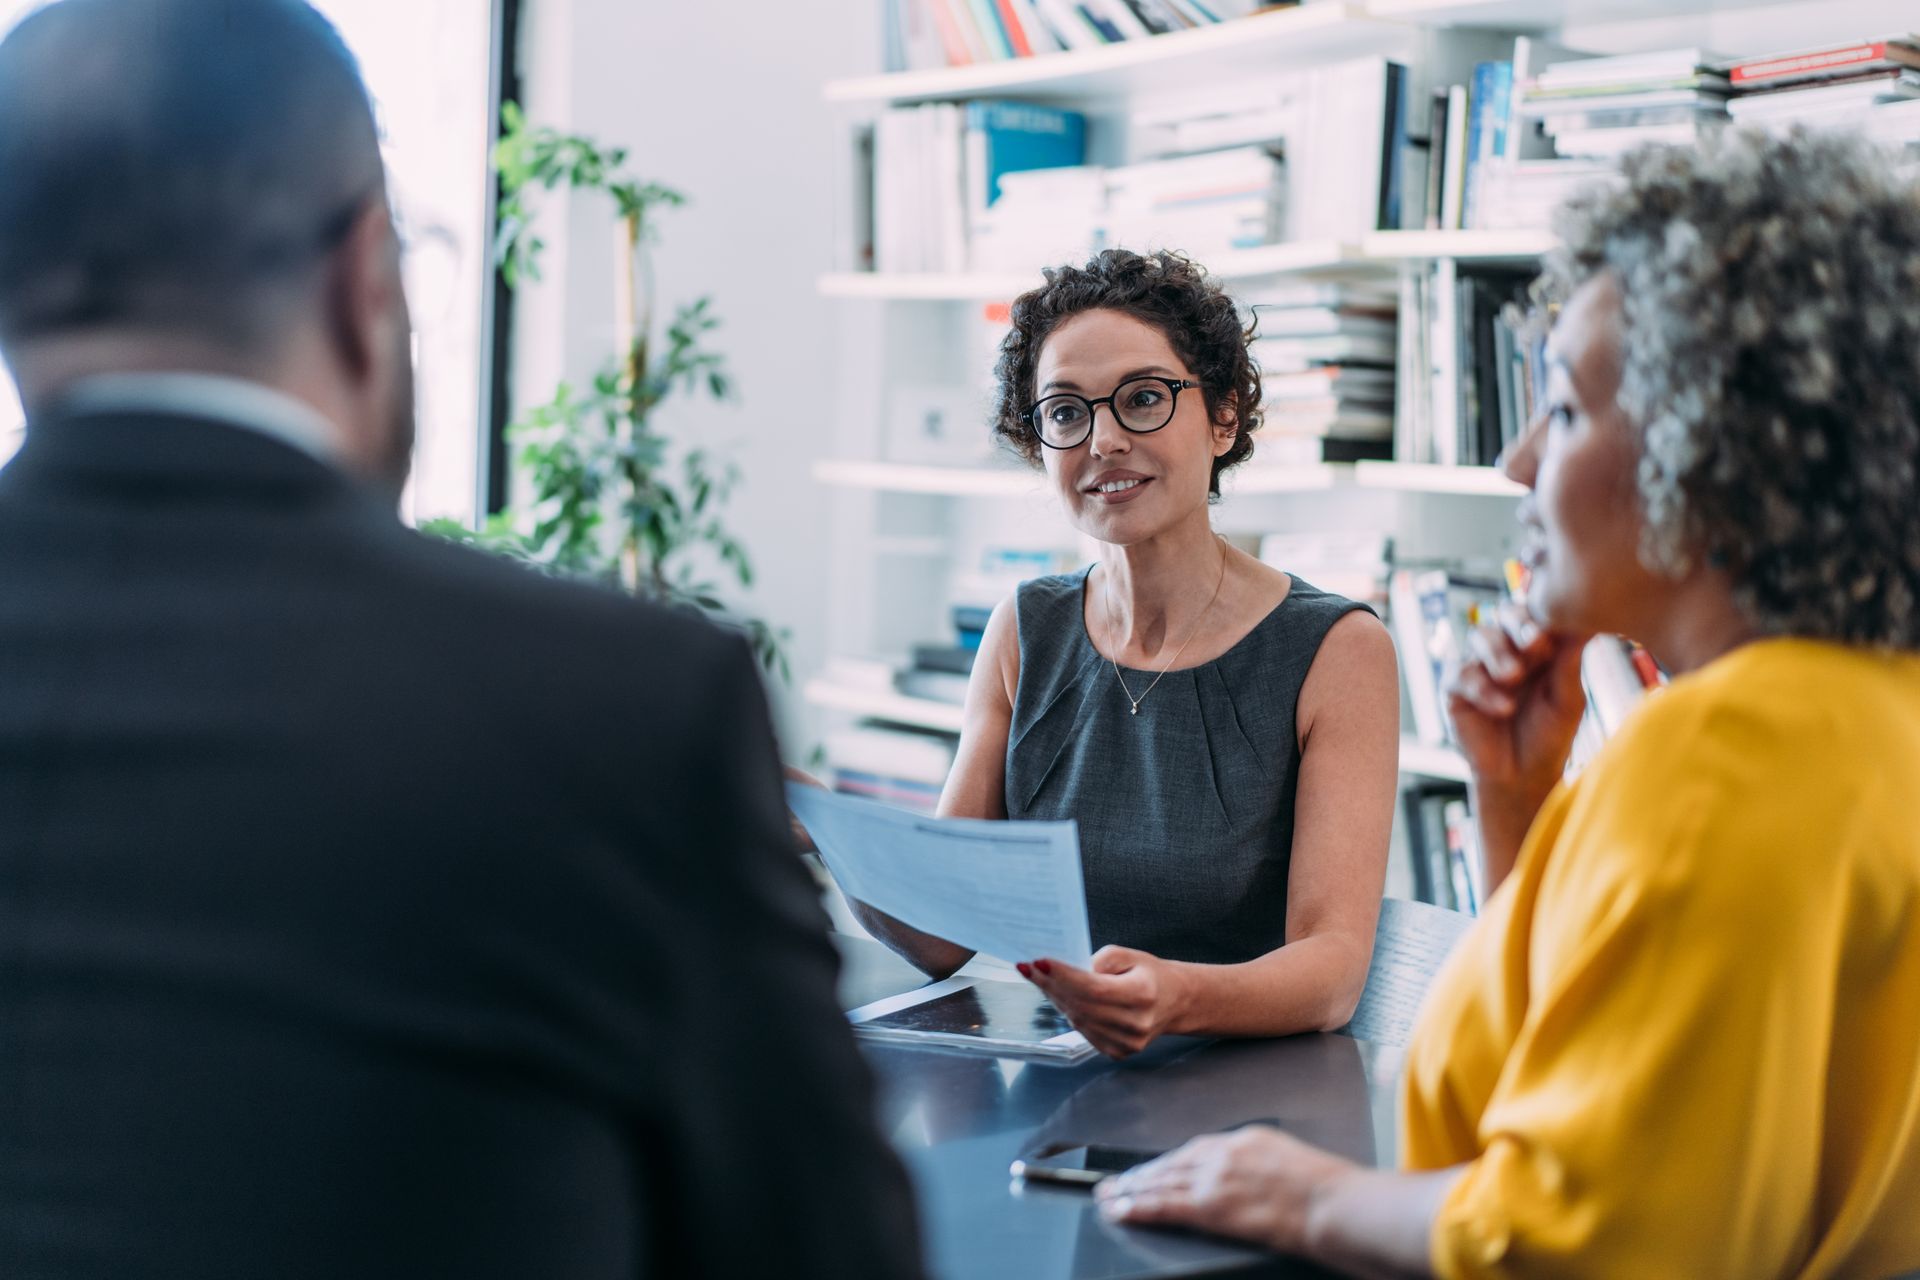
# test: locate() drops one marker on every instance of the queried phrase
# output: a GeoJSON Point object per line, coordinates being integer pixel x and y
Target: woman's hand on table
{"type": "Point", "coordinates": [1256, 1184]}
{"type": "Point", "coordinates": [1121, 1003]}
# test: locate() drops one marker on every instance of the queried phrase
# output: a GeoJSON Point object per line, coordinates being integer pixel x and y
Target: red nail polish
{"type": "Point", "coordinates": [1043, 966]}
{"type": "Point", "coordinates": [1024, 971]}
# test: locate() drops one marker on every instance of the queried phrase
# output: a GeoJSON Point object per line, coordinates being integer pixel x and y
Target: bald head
{"type": "Point", "coordinates": [196, 186]}
{"type": "Point", "coordinates": [182, 164]}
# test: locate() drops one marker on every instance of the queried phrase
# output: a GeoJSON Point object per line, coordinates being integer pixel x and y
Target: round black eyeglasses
{"type": "Point", "coordinates": [1138, 404]}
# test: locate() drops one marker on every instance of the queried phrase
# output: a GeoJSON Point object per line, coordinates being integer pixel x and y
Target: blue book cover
{"type": "Point", "coordinates": [1009, 137]}
{"type": "Point", "coordinates": [1489, 101]}
{"type": "Point", "coordinates": [1102, 24]}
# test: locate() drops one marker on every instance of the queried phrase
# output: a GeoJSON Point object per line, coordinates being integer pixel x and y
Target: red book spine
{"type": "Point", "coordinates": [1016, 35]}
{"type": "Point", "coordinates": [1801, 64]}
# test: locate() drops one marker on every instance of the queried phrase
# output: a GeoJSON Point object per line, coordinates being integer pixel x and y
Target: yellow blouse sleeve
{"type": "Point", "coordinates": [1659, 1113]}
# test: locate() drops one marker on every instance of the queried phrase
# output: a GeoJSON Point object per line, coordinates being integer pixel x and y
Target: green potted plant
{"type": "Point", "coordinates": [608, 497]}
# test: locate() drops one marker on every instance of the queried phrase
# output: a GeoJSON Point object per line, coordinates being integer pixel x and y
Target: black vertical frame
{"type": "Point", "coordinates": [496, 460]}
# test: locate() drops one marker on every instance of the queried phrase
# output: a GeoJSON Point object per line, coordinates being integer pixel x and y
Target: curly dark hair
{"type": "Point", "coordinates": [1772, 366]}
{"type": "Point", "coordinates": [1169, 292]}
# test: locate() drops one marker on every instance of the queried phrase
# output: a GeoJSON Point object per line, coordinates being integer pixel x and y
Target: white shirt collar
{"type": "Point", "coordinates": [233, 401]}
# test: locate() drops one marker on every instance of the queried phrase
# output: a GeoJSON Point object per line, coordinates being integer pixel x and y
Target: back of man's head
{"type": "Point", "coordinates": [199, 176]}
{"type": "Point", "coordinates": [174, 163]}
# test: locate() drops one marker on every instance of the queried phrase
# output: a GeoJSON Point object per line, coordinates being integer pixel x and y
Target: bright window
{"type": "Point", "coordinates": [429, 64]}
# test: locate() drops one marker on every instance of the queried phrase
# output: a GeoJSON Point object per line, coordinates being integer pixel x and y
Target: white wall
{"type": "Point", "coordinates": [722, 102]}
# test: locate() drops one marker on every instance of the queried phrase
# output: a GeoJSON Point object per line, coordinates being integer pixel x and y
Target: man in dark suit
{"type": "Point", "coordinates": [367, 908]}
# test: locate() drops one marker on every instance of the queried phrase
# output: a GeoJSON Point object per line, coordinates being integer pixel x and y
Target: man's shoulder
{"type": "Point", "coordinates": [528, 620]}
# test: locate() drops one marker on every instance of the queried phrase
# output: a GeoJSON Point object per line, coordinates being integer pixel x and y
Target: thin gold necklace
{"type": "Point", "coordinates": [1113, 627]}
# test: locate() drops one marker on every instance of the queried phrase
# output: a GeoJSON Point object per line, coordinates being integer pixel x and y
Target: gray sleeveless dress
{"type": "Point", "coordinates": [1186, 809]}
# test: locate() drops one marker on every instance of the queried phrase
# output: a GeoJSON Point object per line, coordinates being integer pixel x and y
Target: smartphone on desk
{"type": "Point", "coordinates": [1077, 1166]}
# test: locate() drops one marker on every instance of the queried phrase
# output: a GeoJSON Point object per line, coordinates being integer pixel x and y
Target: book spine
{"type": "Point", "coordinates": [1436, 158]}
{"type": "Point", "coordinates": [1394, 148]}
{"type": "Point", "coordinates": [1016, 34]}
{"type": "Point", "coordinates": [987, 19]}
{"type": "Point", "coordinates": [1097, 18]}
{"type": "Point", "coordinates": [1800, 64]}
{"type": "Point", "coordinates": [1453, 187]}
{"type": "Point", "coordinates": [1039, 29]}
{"type": "Point", "coordinates": [1123, 19]}
{"type": "Point", "coordinates": [956, 32]}
{"type": "Point", "coordinates": [1069, 24]}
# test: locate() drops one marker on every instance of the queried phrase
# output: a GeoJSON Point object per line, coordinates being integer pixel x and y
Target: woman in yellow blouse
{"type": "Point", "coordinates": [1685, 1038]}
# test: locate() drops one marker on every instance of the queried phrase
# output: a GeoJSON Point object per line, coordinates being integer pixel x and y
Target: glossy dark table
{"type": "Point", "coordinates": [959, 1121]}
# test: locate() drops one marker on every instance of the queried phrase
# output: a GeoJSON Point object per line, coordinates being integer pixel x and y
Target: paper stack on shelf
{"type": "Point", "coordinates": [1354, 565]}
{"type": "Point", "coordinates": [1326, 356]}
{"type": "Point", "coordinates": [1043, 217]}
{"type": "Point", "coordinates": [1598, 108]}
{"type": "Point", "coordinates": [1871, 85]}
{"type": "Point", "coordinates": [1202, 119]}
{"type": "Point", "coordinates": [1202, 205]}
{"type": "Point", "coordinates": [1522, 194]}
{"type": "Point", "coordinates": [901, 767]}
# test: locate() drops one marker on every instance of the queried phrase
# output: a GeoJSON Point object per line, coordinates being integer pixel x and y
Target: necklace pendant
{"type": "Point", "coordinates": [1134, 709]}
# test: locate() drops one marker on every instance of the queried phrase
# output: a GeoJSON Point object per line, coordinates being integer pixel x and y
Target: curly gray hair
{"type": "Point", "coordinates": [1771, 328]}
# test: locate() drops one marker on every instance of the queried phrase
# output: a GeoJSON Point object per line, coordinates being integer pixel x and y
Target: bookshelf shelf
{"type": "Point", "coordinates": [1378, 255]}
{"type": "Point", "coordinates": [1542, 15]}
{"type": "Point", "coordinates": [1005, 482]}
{"type": "Point", "coordinates": [880, 704]}
{"type": "Point", "coordinates": [906, 477]}
{"type": "Point", "coordinates": [1410, 477]}
{"type": "Point", "coordinates": [1306, 258]}
{"type": "Point", "coordinates": [1262, 42]}
{"type": "Point", "coordinates": [1465, 246]}
{"type": "Point", "coordinates": [1424, 760]}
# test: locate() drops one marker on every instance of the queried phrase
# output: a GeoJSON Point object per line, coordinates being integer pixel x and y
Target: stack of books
{"type": "Point", "coordinates": [1326, 357]}
{"type": "Point", "coordinates": [1871, 85]}
{"type": "Point", "coordinates": [897, 766]}
{"type": "Point", "coordinates": [921, 35]}
{"type": "Point", "coordinates": [1205, 119]}
{"type": "Point", "coordinates": [1598, 108]}
{"type": "Point", "coordinates": [1201, 205]}
{"type": "Point", "coordinates": [937, 172]}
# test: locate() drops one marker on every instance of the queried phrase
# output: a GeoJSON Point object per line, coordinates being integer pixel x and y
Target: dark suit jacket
{"type": "Point", "coordinates": [372, 908]}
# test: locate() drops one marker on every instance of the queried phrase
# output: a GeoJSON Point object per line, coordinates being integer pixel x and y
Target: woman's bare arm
{"type": "Point", "coordinates": [1349, 727]}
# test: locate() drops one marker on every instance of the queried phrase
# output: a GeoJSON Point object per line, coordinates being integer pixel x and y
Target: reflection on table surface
{"type": "Point", "coordinates": [959, 1121]}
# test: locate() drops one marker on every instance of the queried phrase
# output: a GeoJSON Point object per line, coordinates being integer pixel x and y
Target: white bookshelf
{"type": "Point", "coordinates": [880, 704]}
{"type": "Point", "coordinates": [1008, 482]}
{"type": "Point", "coordinates": [1326, 31]}
{"type": "Point", "coordinates": [1379, 255]}
{"type": "Point", "coordinates": [893, 519]}
{"type": "Point", "coordinates": [1424, 760]}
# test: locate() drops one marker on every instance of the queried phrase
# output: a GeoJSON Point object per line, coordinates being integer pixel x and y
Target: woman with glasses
{"type": "Point", "coordinates": [1682, 1040]}
{"type": "Point", "coordinates": [1224, 734]}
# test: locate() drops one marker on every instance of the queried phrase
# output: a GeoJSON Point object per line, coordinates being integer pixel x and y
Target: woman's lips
{"type": "Point", "coordinates": [1123, 495]}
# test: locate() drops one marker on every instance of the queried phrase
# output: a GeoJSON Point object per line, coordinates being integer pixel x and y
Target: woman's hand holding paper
{"type": "Point", "coordinates": [1121, 1002]}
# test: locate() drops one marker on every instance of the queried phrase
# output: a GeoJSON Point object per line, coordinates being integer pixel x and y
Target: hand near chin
{"type": "Point", "coordinates": [1121, 1003]}
{"type": "Point", "coordinates": [1256, 1184]}
{"type": "Point", "coordinates": [1515, 702]}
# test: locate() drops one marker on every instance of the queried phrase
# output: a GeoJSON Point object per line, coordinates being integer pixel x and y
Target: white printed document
{"type": "Point", "coordinates": [1410, 944]}
{"type": "Point", "coordinates": [1009, 889]}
